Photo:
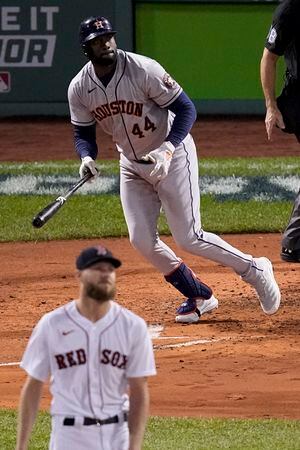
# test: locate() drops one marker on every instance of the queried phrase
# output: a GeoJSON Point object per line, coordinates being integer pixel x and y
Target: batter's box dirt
{"type": "Point", "coordinates": [241, 363]}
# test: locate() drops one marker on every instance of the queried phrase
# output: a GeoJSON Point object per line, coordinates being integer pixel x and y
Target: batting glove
{"type": "Point", "coordinates": [88, 165]}
{"type": "Point", "coordinates": [161, 157]}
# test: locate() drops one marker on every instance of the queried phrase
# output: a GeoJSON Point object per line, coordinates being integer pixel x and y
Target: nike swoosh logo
{"type": "Point", "coordinates": [91, 90]}
{"type": "Point", "coordinates": [64, 333]}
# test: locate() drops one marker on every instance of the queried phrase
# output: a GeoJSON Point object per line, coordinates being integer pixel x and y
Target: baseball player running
{"type": "Point", "coordinates": [284, 40]}
{"type": "Point", "coordinates": [93, 349]}
{"type": "Point", "coordinates": [149, 117]}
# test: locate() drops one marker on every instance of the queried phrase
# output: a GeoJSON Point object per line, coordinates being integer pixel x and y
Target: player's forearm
{"type": "Point", "coordinates": [29, 403]}
{"type": "Point", "coordinates": [85, 141]}
{"type": "Point", "coordinates": [268, 77]}
{"type": "Point", "coordinates": [138, 414]}
{"type": "Point", "coordinates": [185, 116]}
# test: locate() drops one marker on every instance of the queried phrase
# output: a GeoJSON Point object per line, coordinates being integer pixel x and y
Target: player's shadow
{"type": "Point", "coordinates": [216, 321]}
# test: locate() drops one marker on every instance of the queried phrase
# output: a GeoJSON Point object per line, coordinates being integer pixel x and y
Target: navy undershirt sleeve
{"type": "Point", "coordinates": [185, 116]}
{"type": "Point", "coordinates": [85, 141]}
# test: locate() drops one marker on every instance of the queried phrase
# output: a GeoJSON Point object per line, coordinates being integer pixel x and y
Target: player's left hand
{"type": "Point", "coordinates": [161, 157]}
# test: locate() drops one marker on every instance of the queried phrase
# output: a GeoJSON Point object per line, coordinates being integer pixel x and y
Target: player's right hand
{"type": "Point", "coordinates": [273, 117]}
{"type": "Point", "coordinates": [161, 157]}
{"type": "Point", "coordinates": [88, 165]}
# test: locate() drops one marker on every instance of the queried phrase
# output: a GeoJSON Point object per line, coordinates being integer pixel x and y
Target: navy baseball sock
{"type": "Point", "coordinates": [186, 282]}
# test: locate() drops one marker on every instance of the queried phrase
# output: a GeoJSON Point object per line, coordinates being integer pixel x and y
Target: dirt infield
{"type": "Point", "coordinates": [40, 139]}
{"type": "Point", "coordinates": [236, 362]}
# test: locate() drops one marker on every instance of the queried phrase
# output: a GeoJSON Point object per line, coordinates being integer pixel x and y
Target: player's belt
{"type": "Point", "coordinates": [70, 421]}
{"type": "Point", "coordinates": [141, 161]}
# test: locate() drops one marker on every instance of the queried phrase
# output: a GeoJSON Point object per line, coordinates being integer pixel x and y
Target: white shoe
{"type": "Point", "coordinates": [192, 309]}
{"type": "Point", "coordinates": [265, 285]}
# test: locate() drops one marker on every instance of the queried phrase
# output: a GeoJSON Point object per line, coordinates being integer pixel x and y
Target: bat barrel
{"type": "Point", "coordinates": [43, 216]}
{"type": "Point", "coordinates": [37, 222]}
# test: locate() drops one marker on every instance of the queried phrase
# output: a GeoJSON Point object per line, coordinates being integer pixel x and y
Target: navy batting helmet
{"type": "Point", "coordinates": [93, 27]}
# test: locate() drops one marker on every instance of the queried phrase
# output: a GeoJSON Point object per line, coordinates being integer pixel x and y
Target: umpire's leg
{"type": "Point", "coordinates": [291, 235]}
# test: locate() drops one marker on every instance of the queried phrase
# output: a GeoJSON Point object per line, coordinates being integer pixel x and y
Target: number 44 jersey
{"type": "Point", "coordinates": [132, 107]}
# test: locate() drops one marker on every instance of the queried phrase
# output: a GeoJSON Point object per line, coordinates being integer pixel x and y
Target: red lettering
{"type": "Point", "coordinates": [115, 109]}
{"type": "Point", "coordinates": [97, 117]}
{"type": "Point", "coordinates": [106, 109]}
{"type": "Point", "coordinates": [138, 109]}
{"type": "Point", "coordinates": [115, 358]}
{"type": "Point", "coordinates": [100, 113]}
{"type": "Point", "coordinates": [81, 356]}
{"type": "Point", "coordinates": [123, 363]}
{"type": "Point", "coordinates": [70, 359]}
{"type": "Point", "coordinates": [129, 107]}
{"type": "Point", "coordinates": [60, 359]}
{"type": "Point", "coordinates": [122, 103]}
{"type": "Point", "coordinates": [105, 356]}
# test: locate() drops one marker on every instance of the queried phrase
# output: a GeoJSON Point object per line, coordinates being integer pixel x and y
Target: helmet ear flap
{"type": "Point", "coordinates": [87, 50]}
{"type": "Point", "coordinates": [84, 48]}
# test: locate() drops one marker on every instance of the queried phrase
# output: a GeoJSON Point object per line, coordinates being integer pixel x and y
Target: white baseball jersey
{"type": "Point", "coordinates": [89, 363]}
{"type": "Point", "coordinates": [133, 106]}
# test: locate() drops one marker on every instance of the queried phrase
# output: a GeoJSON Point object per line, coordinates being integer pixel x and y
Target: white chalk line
{"type": "Point", "coordinates": [188, 344]}
{"type": "Point", "coordinates": [155, 331]}
{"type": "Point", "coordinates": [10, 364]}
{"type": "Point", "coordinates": [203, 341]}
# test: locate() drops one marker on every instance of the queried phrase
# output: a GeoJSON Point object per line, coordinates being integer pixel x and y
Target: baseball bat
{"type": "Point", "coordinates": [45, 214]}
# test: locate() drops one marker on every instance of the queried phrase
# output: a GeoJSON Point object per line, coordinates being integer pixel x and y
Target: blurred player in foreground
{"type": "Point", "coordinates": [93, 349]}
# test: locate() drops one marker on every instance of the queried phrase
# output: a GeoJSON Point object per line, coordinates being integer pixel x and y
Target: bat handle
{"type": "Point", "coordinates": [76, 186]}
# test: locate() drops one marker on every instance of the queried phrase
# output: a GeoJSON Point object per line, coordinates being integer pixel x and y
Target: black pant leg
{"type": "Point", "coordinates": [291, 235]}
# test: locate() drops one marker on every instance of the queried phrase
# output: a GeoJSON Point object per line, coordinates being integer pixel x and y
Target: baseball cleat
{"type": "Point", "coordinates": [266, 286]}
{"type": "Point", "coordinates": [288, 255]}
{"type": "Point", "coordinates": [192, 309]}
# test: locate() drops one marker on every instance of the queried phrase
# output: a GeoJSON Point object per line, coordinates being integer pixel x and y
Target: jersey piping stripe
{"type": "Point", "coordinates": [99, 85]}
{"type": "Point", "coordinates": [102, 383]}
{"type": "Point", "coordinates": [87, 351]}
{"type": "Point", "coordinates": [127, 330]}
{"type": "Point", "coordinates": [116, 88]}
{"type": "Point", "coordinates": [172, 99]}
{"type": "Point", "coordinates": [191, 192]}
{"type": "Point", "coordinates": [198, 235]}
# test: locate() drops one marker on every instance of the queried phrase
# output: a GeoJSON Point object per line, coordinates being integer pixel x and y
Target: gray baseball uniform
{"type": "Point", "coordinates": [133, 109]}
{"type": "Point", "coordinates": [148, 116]}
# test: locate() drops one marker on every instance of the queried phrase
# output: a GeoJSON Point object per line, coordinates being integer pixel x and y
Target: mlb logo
{"type": "Point", "coordinates": [5, 84]}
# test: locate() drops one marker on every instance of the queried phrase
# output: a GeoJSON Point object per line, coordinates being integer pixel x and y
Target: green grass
{"type": "Point", "coordinates": [213, 434]}
{"type": "Point", "coordinates": [68, 167]}
{"type": "Point", "coordinates": [244, 217]}
{"type": "Point", "coordinates": [249, 166]}
{"type": "Point", "coordinates": [102, 216]}
{"type": "Point", "coordinates": [208, 166]}
{"type": "Point", "coordinates": [81, 217]}
{"type": "Point", "coordinates": [96, 216]}
{"type": "Point", "coordinates": [182, 433]}
{"type": "Point", "coordinates": [8, 424]}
